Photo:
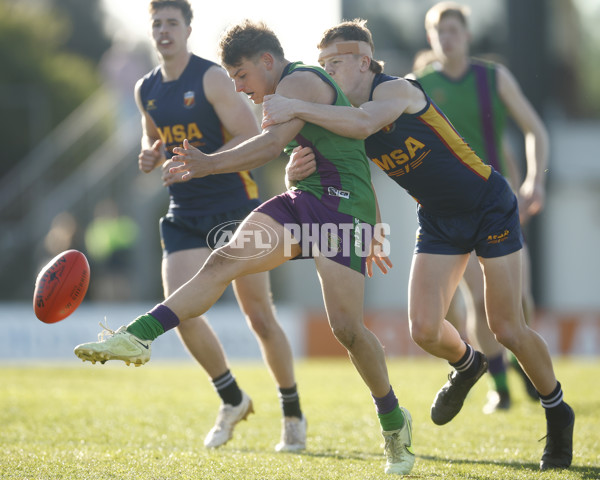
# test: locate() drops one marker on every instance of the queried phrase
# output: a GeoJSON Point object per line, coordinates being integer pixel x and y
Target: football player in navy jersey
{"type": "Point", "coordinates": [189, 97]}
{"type": "Point", "coordinates": [464, 205]}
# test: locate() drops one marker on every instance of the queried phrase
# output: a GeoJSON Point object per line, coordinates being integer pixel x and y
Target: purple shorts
{"type": "Point", "coordinates": [337, 236]}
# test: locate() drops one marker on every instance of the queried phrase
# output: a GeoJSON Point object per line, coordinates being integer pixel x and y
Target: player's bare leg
{"type": "Point", "coordinates": [480, 333]}
{"type": "Point", "coordinates": [506, 320]}
{"type": "Point", "coordinates": [433, 282]}
{"type": "Point", "coordinates": [202, 343]}
{"type": "Point", "coordinates": [505, 314]}
{"type": "Point", "coordinates": [344, 305]}
{"type": "Point", "coordinates": [253, 293]}
{"type": "Point", "coordinates": [529, 312]}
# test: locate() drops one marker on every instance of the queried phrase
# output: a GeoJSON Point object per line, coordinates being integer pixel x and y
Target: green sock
{"type": "Point", "coordinates": [391, 421]}
{"type": "Point", "coordinates": [146, 327]}
{"type": "Point", "coordinates": [499, 382]}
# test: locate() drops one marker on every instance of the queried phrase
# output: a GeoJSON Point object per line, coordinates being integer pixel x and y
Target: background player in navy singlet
{"type": "Point", "coordinates": [188, 97]}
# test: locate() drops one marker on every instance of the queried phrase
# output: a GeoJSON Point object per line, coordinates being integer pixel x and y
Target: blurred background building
{"type": "Point", "coordinates": [70, 137]}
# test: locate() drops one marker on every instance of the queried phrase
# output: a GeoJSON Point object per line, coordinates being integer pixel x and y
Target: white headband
{"type": "Point", "coordinates": [353, 47]}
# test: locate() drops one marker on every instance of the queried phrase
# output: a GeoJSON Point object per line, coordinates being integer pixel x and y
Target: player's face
{"type": "Point", "coordinates": [252, 78]}
{"type": "Point", "coordinates": [344, 69]}
{"type": "Point", "coordinates": [169, 31]}
{"type": "Point", "coordinates": [450, 39]}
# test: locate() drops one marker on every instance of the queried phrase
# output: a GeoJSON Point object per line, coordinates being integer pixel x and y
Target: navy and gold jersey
{"type": "Point", "coordinates": [180, 110]}
{"type": "Point", "coordinates": [425, 155]}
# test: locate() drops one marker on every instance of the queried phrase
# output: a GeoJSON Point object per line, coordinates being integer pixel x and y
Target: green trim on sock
{"type": "Point", "coordinates": [146, 327]}
{"type": "Point", "coordinates": [499, 382]}
{"type": "Point", "coordinates": [392, 421]}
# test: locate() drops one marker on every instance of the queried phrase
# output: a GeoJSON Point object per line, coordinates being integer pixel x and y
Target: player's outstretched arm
{"type": "Point", "coordinates": [230, 106]}
{"type": "Point", "coordinates": [390, 100]}
{"type": "Point", "coordinates": [261, 148]}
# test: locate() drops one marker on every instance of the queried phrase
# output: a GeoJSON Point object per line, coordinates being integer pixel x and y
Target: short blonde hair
{"type": "Point", "coordinates": [352, 30]}
{"type": "Point", "coordinates": [446, 9]}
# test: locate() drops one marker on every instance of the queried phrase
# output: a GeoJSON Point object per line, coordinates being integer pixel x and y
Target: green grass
{"type": "Point", "coordinates": [75, 421]}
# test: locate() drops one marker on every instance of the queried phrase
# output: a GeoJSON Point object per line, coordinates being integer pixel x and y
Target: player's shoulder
{"type": "Point", "coordinates": [431, 69]}
{"type": "Point", "coordinates": [390, 85]}
{"type": "Point", "coordinates": [300, 77]}
{"type": "Point", "coordinates": [308, 83]}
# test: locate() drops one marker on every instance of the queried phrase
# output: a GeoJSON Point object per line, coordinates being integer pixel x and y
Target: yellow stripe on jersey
{"type": "Point", "coordinates": [249, 184]}
{"type": "Point", "coordinates": [454, 142]}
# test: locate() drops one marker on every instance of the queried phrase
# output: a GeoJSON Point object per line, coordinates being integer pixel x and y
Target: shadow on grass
{"type": "Point", "coordinates": [586, 473]}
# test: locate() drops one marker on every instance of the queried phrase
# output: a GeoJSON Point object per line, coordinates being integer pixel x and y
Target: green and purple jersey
{"type": "Point", "coordinates": [342, 180]}
{"type": "Point", "coordinates": [473, 106]}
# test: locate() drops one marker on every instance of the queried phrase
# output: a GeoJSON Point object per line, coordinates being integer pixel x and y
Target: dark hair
{"type": "Point", "coordinates": [352, 30]}
{"type": "Point", "coordinates": [246, 41]}
{"type": "Point", "coordinates": [183, 5]}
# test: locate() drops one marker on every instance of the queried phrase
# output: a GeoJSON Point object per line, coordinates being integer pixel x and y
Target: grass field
{"type": "Point", "coordinates": [76, 421]}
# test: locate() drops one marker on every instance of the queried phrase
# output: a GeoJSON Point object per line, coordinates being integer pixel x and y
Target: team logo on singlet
{"type": "Point", "coordinates": [151, 104]}
{"type": "Point", "coordinates": [189, 99]}
{"type": "Point", "coordinates": [336, 192]}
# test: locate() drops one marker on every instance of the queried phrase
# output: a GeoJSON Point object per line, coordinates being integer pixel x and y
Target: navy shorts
{"type": "Point", "coordinates": [178, 232]}
{"type": "Point", "coordinates": [338, 236]}
{"type": "Point", "coordinates": [493, 230]}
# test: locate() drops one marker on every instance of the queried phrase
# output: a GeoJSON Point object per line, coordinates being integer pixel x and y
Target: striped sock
{"type": "Point", "coordinates": [557, 411]}
{"type": "Point", "coordinates": [469, 363]}
{"type": "Point", "coordinates": [228, 389]}
{"type": "Point", "coordinates": [290, 402]}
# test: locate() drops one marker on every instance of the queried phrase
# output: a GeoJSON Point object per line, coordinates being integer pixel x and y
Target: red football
{"type": "Point", "coordinates": [61, 286]}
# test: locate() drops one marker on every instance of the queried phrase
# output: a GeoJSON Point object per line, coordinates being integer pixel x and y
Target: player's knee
{"type": "Point", "coordinates": [221, 264]}
{"type": "Point", "coordinates": [506, 336]}
{"type": "Point", "coordinates": [424, 333]}
{"type": "Point", "coordinates": [261, 323]}
{"type": "Point", "coordinates": [344, 334]}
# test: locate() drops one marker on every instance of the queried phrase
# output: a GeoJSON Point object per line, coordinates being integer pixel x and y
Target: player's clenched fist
{"type": "Point", "coordinates": [149, 158]}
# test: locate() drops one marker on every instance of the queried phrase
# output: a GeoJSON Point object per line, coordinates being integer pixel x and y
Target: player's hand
{"type": "Point", "coordinates": [191, 163]}
{"type": "Point", "coordinates": [302, 163]}
{"type": "Point", "coordinates": [149, 158]}
{"type": "Point", "coordinates": [532, 197]}
{"type": "Point", "coordinates": [167, 177]}
{"type": "Point", "coordinates": [377, 252]}
{"type": "Point", "coordinates": [276, 109]}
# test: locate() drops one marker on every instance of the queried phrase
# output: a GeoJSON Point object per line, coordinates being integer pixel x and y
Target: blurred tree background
{"type": "Point", "coordinates": [48, 52]}
{"type": "Point", "coordinates": [67, 149]}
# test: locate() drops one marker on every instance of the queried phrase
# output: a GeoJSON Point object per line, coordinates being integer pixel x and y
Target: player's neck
{"type": "Point", "coordinates": [172, 67]}
{"type": "Point", "coordinates": [456, 67]}
{"type": "Point", "coordinates": [361, 92]}
{"type": "Point", "coordinates": [277, 72]}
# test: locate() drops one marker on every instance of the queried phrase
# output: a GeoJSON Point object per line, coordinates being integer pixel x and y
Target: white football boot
{"type": "Point", "coordinates": [398, 447]}
{"type": "Point", "coordinates": [293, 434]}
{"type": "Point", "coordinates": [227, 418]}
{"type": "Point", "coordinates": [119, 345]}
